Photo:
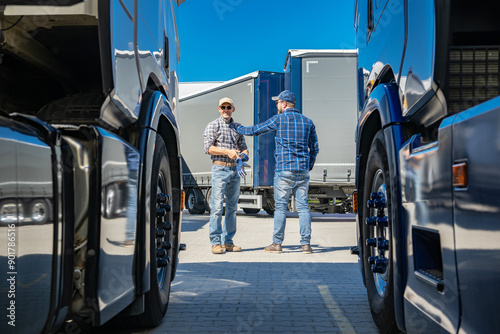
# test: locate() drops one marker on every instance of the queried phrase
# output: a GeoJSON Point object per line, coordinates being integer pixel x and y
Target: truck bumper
{"type": "Point", "coordinates": [32, 231]}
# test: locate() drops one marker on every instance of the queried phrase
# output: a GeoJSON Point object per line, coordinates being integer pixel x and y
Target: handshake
{"type": "Point", "coordinates": [240, 164]}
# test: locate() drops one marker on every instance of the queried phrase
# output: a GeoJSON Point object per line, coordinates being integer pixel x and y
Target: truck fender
{"type": "Point", "coordinates": [383, 111]}
{"type": "Point", "coordinates": [155, 118]}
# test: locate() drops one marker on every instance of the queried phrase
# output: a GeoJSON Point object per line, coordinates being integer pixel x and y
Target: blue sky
{"type": "Point", "coordinates": [224, 39]}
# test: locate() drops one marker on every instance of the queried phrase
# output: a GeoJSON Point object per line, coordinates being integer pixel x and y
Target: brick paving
{"type": "Point", "coordinates": [257, 292]}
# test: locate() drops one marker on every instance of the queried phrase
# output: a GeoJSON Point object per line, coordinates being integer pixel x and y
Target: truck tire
{"type": "Point", "coordinates": [250, 211]}
{"type": "Point", "coordinates": [208, 199]}
{"type": "Point", "coordinates": [195, 201]}
{"type": "Point", "coordinates": [161, 239]}
{"type": "Point", "coordinates": [269, 208]}
{"type": "Point", "coordinates": [377, 241]}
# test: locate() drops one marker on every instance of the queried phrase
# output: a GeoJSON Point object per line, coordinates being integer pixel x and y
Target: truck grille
{"type": "Point", "coordinates": [473, 76]}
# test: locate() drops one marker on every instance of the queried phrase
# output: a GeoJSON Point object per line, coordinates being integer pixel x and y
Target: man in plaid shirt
{"type": "Point", "coordinates": [225, 146]}
{"type": "Point", "coordinates": [296, 151]}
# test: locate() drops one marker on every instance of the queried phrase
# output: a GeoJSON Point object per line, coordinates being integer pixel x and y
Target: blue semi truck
{"type": "Point", "coordinates": [427, 163]}
{"type": "Point", "coordinates": [90, 170]}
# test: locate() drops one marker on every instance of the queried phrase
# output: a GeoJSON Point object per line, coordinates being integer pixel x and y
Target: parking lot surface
{"type": "Point", "coordinates": [257, 292]}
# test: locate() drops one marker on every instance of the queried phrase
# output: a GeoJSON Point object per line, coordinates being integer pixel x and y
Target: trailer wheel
{"type": "Point", "coordinates": [194, 202]}
{"type": "Point", "coordinates": [208, 198]}
{"type": "Point", "coordinates": [250, 211]}
{"type": "Point", "coordinates": [377, 232]}
{"type": "Point", "coordinates": [161, 239]}
{"type": "Point", "coordinates": [269, 208]}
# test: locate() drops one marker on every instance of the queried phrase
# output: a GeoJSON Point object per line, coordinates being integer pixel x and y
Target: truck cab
{"type": "Point", "coordinates": [425, 150]}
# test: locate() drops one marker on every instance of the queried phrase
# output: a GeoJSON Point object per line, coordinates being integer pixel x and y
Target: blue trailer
{"type": "Point", "coordinates": [427, 161]}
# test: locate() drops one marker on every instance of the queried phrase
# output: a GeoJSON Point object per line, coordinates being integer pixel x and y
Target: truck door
{"type": "Point", "coordinates": [431, 297]}
{"type": "Point", "coordinates": [135, 64]}
{"type": "Point", "coordinates": [476, 207]}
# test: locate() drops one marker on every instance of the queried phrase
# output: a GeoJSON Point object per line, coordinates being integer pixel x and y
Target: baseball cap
{"type": "Point", "coordinates": [285, 95]}
{"type": "Point", "coordinates": [226, 100]}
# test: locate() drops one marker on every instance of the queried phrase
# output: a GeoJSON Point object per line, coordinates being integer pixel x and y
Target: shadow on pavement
{"type": "Point", "coordinates": [298, 249]}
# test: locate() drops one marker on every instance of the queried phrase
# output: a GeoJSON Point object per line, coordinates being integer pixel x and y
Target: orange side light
{"type": "Point", "coordinates": [355, 201]}
{"type": "Point", "coordinates": [460, 174]}
{"type": "Point", "coordinates": [183, 196]}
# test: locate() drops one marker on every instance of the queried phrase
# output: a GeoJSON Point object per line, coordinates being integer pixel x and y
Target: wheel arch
{"type": "Point", "coordinates": [382, 111]}
{"type": "Point", "coordinates": [156, 118]}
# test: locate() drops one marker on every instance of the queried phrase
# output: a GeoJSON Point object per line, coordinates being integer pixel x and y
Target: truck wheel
{"type": "Point", "coordinates": [194, 202]}
{"type": "Point", "coordinates": [250, 211]}
{"type": "Point", "coordinates": [161, 238]}
{"type": "Point", "coordinates": [377, 232]}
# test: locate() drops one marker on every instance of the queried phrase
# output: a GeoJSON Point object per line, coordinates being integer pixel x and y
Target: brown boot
{"type": "Point", "coordinates": [273, 248]}
{"type": "Point", "coordinates": [306, 249]}
{"type": "Point", "coordinates": [231, 248]}
{"type": "Point", "coordinates": [217, 249]}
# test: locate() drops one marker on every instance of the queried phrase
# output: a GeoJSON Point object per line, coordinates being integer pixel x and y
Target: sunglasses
{"type": "Point", "coordinates": [226, 107]}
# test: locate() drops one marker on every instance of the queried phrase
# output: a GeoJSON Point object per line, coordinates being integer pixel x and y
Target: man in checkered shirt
{"type": "Point", "coordinates": [225, 146]}
{"type": "Point", "coordinates": [296, 151]}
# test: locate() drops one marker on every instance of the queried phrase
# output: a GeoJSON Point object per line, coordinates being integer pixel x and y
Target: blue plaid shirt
{"type": "Point", "coordinates": [296, 139]}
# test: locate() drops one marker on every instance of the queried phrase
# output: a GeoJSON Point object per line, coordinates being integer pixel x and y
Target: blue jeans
{"type": "Point", "coordinates": [225, 181]}
{"type": "Point", "coordinates": [298, 184]}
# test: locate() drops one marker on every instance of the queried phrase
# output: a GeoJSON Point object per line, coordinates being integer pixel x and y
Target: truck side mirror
{"type": "Point", "coordinates": [370, 26]}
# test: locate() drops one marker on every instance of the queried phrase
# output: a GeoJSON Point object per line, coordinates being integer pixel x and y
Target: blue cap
{"type": "Point", "coordinates": [285, 95]}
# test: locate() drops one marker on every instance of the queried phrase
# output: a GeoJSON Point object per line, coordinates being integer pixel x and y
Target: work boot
{"type": "Point", "coordinates": [273, 248]}
{"type": "Point", "coordinates": [231, 248]}
{"type": "Point", "coordinates": [306, 249]}
{"type": "Point", "coordinates": [217, 249]}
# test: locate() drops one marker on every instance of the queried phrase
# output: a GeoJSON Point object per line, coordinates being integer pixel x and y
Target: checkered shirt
{"type": "Point", "coordinates": [218, 134]}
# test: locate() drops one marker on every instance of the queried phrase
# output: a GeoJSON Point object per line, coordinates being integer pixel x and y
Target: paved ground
{"type": "Point", "coordinates": [257, 292]}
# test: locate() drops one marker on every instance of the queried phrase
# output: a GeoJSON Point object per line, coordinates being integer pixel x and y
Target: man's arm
{"type": "Point", "coordinates": [214, 150]}
{"type": "Point", "coordinates": [209, 137]}
{"type": "Point", "coordinates": [258, 129]}
{"type": "Point", "coordinates": [313, 147]}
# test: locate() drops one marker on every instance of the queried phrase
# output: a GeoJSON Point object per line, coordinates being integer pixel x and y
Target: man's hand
{"type": "Point", "coordinates": [232, 154]}
{"type": "Point", "coordinates": [240, 167]}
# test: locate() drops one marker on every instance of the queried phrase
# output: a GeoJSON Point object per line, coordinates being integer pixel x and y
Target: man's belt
{"type": "Point", "coordinates": [223, 163]}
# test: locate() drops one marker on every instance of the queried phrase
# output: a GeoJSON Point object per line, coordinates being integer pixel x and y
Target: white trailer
{"type": "Point", "coordinates": [324, 82]}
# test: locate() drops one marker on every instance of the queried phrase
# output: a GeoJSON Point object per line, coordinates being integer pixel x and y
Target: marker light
{"type": "Point", "coordinates": [460, 174]}
{"type": "Point", "coordinates": [355, 201]}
